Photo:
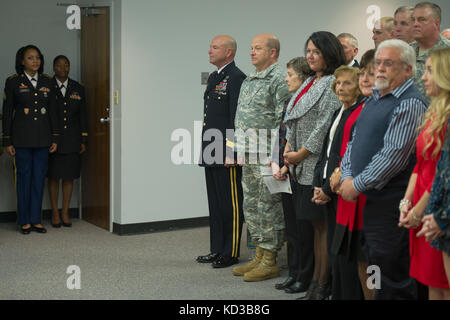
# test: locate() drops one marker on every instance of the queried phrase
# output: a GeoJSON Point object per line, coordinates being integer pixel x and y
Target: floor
{"type": "Point", "coordinates": [156, 266]}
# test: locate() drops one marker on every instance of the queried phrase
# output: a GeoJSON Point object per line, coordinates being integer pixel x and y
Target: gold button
{"type": "Point", "coordinates": [65, 111]}
{"type": "Point", "coordinates": [204, 115]}
{"type": "Point", "coordinates": [65, 119]}
{"type": "Point", "coordinates": [65, 103]}
{"type": "Point", "coordinates": [204, 124]}
{"type": "Point", "coordinates": [65, 127]}
{"type": "Point", "coordinates": [35, 102]}
{"type": "Point", "coordinates": [35, 119]}
{"type": "Point", "coordinates": [35, 94]}
{"type": "Point", "coordinates": [35, 110]}
{"type": "Point", "coordinates": [219, 98]}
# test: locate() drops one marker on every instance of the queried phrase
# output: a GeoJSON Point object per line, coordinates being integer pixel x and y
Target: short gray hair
{"type": "Point", "coordinates": [351, 39]}
{"type": "Point", "coordinates": [435, 9]}
{"type": "Point", "coordinates": [274, 43]}
{"type": "Point", "coordinates": [407, 54]}
{"type": "Point", "coordinates": [409, 9]}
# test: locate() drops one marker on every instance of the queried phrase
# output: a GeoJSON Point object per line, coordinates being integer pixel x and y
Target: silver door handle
{"type": "Point", "coordinates": [104, 120]}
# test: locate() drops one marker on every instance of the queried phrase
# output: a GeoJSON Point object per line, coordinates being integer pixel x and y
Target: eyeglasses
{"type": "Point", "coordinates": [387, 63]}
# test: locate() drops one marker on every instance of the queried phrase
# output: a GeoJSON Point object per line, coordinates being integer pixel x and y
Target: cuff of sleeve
{"type": "Point", "coordinates": [345, 175]}
{"type": "Point", "coordinates": [229, 144]}
{"type": "Point", "coordinates": [84, 138]}
{"type": "Point", "coordinates": [6, 141]}
{"type": "Point", "coordinates": [55, 138]}
{"type": "Point", "coordinates": [312, 148]}
{"type": "Point", "coordinates": [358, 184]}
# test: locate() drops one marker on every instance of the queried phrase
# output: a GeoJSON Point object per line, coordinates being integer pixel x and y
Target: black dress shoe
{"type": "Point", "coordinates": [223, 262]}
{"type": "Point", "coordinates": [67, 225]}
{"type": "Point", "coordinates": [287, 283]}
{"type": "Point", "coordinates": [56, 225]}
{"type": "Point", "coordinates": [39, 229]}
{"type": "Point", "coordinates": [209, 258]}
{"type": "Point", "coordinates": [25, 231]}
{"type": "Point", "coordinates": [296, 287]}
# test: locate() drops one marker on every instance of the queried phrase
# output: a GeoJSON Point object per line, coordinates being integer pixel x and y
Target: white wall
{"type": "Point", "coordinates": [43, 24]}
{"type": "Point", "coordinates": [164, 49]}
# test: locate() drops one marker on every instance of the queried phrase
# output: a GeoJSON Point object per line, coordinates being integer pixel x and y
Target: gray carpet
{"type": "Point", "coordinates": [150, 266]}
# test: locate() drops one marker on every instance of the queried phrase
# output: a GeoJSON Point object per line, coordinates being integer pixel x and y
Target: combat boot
{"type": "Point", "coordinates": [241, 270]}
{"type": "Point", "coordinates": [267, 269]}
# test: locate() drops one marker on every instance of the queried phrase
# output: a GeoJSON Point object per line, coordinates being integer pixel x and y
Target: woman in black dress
{"type": "Point", "coordinates": [65, 164]}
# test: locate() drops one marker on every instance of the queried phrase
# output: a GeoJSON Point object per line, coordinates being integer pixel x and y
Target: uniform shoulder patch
{"type": "Point", "coordinates": [13, 76]}
{"type": "Point", "coordinates": [46, 75]}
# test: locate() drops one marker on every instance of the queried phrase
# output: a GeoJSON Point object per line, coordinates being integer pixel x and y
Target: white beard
{"type": "Point", "coordinates": [382, 84]}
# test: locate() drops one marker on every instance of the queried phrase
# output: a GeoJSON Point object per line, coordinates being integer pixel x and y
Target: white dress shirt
{"type": "Point", "coordinates": [63, 89]}
{"type": "Point", "coordinates": [34, 83]}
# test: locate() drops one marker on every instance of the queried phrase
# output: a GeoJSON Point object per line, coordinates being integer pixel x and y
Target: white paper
{"type": "Point", "coordinates": [273, 184]}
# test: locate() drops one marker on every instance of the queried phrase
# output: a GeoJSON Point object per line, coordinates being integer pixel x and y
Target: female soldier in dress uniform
{"type": "Point", "coordinates": [30, 131]}
{"type": "Point", "coordinates": [66, 162]}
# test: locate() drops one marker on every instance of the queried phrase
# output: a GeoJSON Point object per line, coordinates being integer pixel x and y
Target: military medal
{"type": "Point", "coordinates": [43, 110]}
{"type": "Point", "coordinates": [222, 88]}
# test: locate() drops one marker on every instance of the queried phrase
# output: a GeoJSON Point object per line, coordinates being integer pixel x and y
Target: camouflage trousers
{"type": "Point", "coordinates": [263, 211]}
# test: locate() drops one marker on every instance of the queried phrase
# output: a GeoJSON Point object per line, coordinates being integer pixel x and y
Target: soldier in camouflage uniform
{"type": "Point", "coordinates": [427, 23]}
{"type": "Point", "coordinates": [261, 100]}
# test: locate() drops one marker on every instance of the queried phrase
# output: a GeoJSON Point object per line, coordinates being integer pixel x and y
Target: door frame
{"type": "Point", "coordinates": [113, 164]}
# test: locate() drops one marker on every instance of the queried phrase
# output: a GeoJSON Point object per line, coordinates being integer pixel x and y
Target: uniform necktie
{"type": "Point", "coordinates": [63, 90]}
{"type": "Point", "coordinates": [33, 82]}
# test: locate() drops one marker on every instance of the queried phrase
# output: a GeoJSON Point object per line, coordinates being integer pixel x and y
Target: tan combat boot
{"type": "Point", "coordinates": [241, 270]}
{"type": "Point", "coordinates": [267, 269]}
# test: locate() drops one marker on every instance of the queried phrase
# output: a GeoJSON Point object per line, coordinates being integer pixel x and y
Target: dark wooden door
{"type": "Point", "coordinates": [95, 75]}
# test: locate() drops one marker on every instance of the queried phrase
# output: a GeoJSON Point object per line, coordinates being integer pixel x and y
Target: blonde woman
{"type": "Point", "coordinates": [426, 262]}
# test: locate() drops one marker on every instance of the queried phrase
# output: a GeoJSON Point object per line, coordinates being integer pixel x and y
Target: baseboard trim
{"type": "Point", "coordinates": [126, 229]}
{"type": "Point", "coordinates": [159, 226]}
{"type": "Point", "coordinates": [46, 215]}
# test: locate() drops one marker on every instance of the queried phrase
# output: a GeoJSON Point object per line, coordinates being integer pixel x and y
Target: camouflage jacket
{"type": "Point", "coordinates": [259, 112]}
{"type": "Point", "coordinates": [421, 60]}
